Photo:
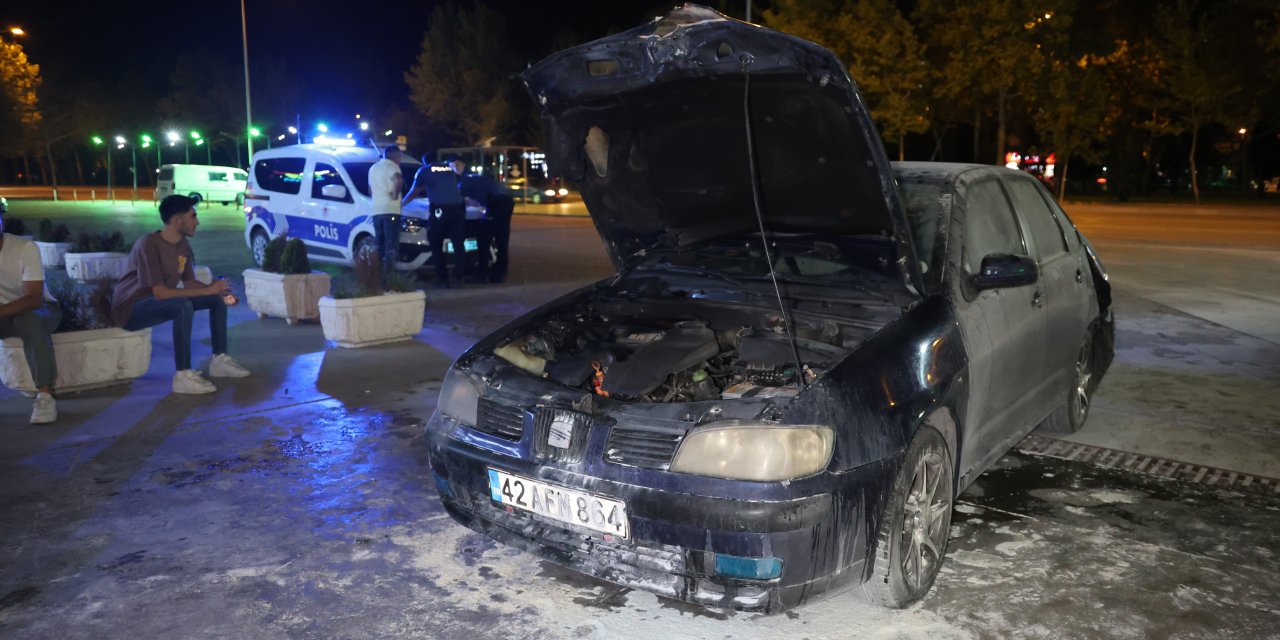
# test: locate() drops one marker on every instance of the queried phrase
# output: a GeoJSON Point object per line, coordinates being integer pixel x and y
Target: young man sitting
{"type": "Point", "coordinates": [149, 295]}
{"type": "Point", "coordinates": [27, 313]}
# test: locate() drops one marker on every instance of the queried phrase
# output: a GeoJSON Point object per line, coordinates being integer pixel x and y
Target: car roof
{"type": "Point", "coordinates": [332, 152]}
{"type": "Point", "coordinates": [922, 171]}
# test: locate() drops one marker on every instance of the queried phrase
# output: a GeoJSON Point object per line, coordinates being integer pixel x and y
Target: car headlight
{"type": "Point", "coordinates": [549, 193]}
{"type": "Point", "coordinates": [563, 192]}
{"type": "Point", "coordinates": [410, 225]}
{"type": "Point", "coordinates": [761, 452]}
{"type": "Point", "coordinates": [459, 396]}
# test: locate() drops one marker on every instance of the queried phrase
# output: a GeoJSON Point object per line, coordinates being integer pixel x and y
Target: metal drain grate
{"type": "Point", "coordinates": [1150, 465]}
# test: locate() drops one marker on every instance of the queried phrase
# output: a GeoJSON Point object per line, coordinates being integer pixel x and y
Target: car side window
{"type": "Point", "coordinates": [1045, 233]}
{"type": "Point", "coordinates": [323, 176]}
{"type": "Point", "coordinates": [1064, 221]}
{"type": "Point", "coordinates": [282, 175]}
{"type": "Point", "coordinates": [989, 225]}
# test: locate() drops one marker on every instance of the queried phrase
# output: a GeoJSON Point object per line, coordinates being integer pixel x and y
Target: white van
{"type": "Point", "coordinates": [320, 194]}
{"type": "Point", "coordinates": [208, 182]}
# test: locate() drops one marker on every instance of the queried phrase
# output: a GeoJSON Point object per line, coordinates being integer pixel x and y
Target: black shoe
{"type": "Point", "coordinates": [479, 277]}
{"type": "Point", "coordinates": [442, 284]}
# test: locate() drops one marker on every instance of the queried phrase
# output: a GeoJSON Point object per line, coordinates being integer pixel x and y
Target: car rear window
{"type": "Point", "coordinates": [166, 174]}
{"type": "Point", "coordinates": [282, 175]}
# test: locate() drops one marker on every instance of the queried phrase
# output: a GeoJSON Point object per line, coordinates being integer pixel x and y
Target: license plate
{"type": "Point", "coordinates": [471, 245]}
{"type": "Point", "coordinates": [559, 503]}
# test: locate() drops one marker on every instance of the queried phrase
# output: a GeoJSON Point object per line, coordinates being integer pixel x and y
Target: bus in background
{"type": "Point", "coordinates": [521, 169]}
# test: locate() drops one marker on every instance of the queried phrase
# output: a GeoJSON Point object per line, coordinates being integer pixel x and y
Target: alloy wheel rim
{"type": "Point", "coordinates": [1084, 375]}
{"type": "Point", "coordinates": [925, 520]}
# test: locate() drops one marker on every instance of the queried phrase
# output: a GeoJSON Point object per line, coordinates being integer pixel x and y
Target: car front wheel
{"type": "Point", "coordinates": [258, 245]}
{"type": "Point", "coordinates": [912, 539]}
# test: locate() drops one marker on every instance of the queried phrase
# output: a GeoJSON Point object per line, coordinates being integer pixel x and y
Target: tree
{"type": "Point", "coordinates": [882, 52]}
{"type": "Point", "coordinates": [19, 106]}
{"type": "Point", "coordinates": [464, 78]}
{"type": "Point", "coordinates": [1071, 115]}
{"type": "Point", "coordinates": [1195, 80]}
{"type": "Point", "coordinates": [989, 50]}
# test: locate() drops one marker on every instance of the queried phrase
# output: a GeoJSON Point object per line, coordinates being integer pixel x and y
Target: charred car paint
{"type": "Point", "coordinates": [659, 429]}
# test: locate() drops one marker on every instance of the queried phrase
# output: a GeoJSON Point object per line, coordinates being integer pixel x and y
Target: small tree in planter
{"type": "Point", "coordinates": [53, 241]}
{"type": "Point", "coordinates": [98, 257]}
{"type": "Point", "coordinates": [89, 351]}
{"type": "Point", "coordinates": [370, 306]}
{"type": "Point", "coordinates": [285, 286]}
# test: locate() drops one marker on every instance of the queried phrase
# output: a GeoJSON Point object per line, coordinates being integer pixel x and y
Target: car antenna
{"type": "Point", "coordinates": [764, 238]}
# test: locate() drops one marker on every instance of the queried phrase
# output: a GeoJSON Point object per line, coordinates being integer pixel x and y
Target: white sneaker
{"type": "Point", "coordinates": [223, 366]}
{"type": "Point", "coordinates": [190, 381]}
{"type": "Point", "coordinates": [46, 410]}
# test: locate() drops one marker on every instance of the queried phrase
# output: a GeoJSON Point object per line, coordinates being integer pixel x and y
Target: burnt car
{"type": "Point", "coordinates": [806, 352]}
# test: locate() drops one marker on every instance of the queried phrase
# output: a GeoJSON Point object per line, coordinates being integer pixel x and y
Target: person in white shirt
{"type": "Point", "coordinates": [27, 313]}
{"type": "Point", "coordinates": [385, 186]}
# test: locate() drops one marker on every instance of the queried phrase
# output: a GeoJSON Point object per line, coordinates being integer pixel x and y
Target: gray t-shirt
{"type": "Point", "coordinates": [152, 261]}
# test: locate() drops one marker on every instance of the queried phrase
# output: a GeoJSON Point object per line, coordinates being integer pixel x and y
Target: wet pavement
{"type": "Point", "coordinates": [297, 503]}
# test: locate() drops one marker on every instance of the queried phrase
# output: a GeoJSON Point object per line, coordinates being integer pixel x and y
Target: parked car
{"type": "Point", "coordinates": [206, 182]}
{"type": "Point", "coordinates": [320, 194]}
{"type": "Point", "coordinates": [797, 367]}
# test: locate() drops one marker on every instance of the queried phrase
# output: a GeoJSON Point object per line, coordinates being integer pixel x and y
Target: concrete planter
{"type": "Point", "coordinates": [293, 297]}
{"type": "Point", "coordinates": [364, 322]}
{"type": "Point", "coordinates": [86, 359]}
{"type": "Point", "coordinates": [96, 266]}
{"type": "Point", "coordinates": [52, 254]}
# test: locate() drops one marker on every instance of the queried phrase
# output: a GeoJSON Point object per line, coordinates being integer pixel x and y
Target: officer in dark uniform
{"type": "Point", "coordinates": [495, 228]}
{"type": "Point", "coordinates": [448, 217]}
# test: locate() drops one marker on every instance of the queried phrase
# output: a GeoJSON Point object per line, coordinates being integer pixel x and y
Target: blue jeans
{"type": "Point", "coordinates": [387, 228]}
{"type": "Point", "coordinates": [149, 312]}
{"type": "Point", "coordinates": [34, 327]}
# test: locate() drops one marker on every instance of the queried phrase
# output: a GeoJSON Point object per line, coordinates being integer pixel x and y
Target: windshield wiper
{"type": "Point", "coordinates": [854, 284]}
{"type": "Point", "coordinates": [686, 270]}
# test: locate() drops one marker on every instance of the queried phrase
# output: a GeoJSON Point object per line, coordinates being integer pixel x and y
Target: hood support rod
{"type": "Point", "coordinates": [764, 238]}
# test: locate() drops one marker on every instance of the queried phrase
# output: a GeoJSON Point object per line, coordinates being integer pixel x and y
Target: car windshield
{"type": "Point", "coordinates": [927, 204]}
{"type": "Point", "coordinates": [801, 259]}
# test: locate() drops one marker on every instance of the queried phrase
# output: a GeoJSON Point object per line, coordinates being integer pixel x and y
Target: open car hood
{"type": "Point", "coordinates": [650, 125]}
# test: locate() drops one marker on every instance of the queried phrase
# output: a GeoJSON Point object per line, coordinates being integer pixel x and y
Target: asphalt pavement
{"type": "Point", "coordinates": [297, 504]}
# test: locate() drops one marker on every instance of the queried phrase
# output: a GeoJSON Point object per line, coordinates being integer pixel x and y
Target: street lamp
{"type": "Point", "coordinates": [146, 144]}
{"type": "Point", "coordinates": [133, 152]}
{"type": "Point", "coordinates": [200, 142]}
{"type": "Point", "coordinates": [255, 132]}
{"type": "Point", "coordinates": [97, 140]}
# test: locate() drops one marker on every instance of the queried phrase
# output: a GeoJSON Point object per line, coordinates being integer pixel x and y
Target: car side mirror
{"type": "Point", "coordinates": [1000, 270]}
{"type": "Point", "coordinates": [335, 191]}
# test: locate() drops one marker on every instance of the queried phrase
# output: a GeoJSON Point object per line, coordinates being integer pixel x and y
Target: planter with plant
{"type": "Point", "coordinates": [285, 286]}
{"type": "Point", "coordinates": [53, 241]}
{"type": "Point", "coordinates": [96, 258]}
{"type": "Point", "coordinates": [370, 306]}
{"type": "Point", "coordinates": [90, 352]}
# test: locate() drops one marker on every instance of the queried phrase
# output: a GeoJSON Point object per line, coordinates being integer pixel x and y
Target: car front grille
{"type": "Point", "coordinates": [503, 420]}
{"type": "Point", "coordinates": [652, 447]}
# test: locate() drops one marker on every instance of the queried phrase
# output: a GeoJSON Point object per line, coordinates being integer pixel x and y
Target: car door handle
{"type": "Point", "coordinates": [1037, 299]}
{"type": "Point", "coordinates": [1079, 277]}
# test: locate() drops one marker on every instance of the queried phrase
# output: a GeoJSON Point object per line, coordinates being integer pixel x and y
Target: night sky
{"type": "Point", "coordinates": [350, 56]}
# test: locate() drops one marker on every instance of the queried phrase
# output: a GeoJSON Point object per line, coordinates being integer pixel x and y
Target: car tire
{"type": "Point", "coordinates": [239, 199]}
{"type": "Point", "coordinates": [365, 244]}
{"type": "Point", "coordinates": [1071, 416]}
{"type": "Point", "coordinates": [912, 538]}
{"type": "Point", "coordinates": [258, 246]}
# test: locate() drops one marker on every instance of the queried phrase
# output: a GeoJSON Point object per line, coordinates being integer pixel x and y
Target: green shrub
{"type": "Point", "coordinates": [367, 278]}
{"type": "Point", "coordinates": [97, 243]}
{"type": "Point", "coordinates": [272, 254]}
{"type": "Point", "coordinates": [294, 258]}
{"type": "Point", "coordinates": [84, 306]}
{"type": "Point", "coordinates": [49, 232]}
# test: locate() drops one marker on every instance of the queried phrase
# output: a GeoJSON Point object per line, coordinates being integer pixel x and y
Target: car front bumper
{"type": "Point", "coordinates": [820, 537]}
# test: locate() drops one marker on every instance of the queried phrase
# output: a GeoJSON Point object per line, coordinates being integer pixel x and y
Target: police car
{"type": "Point", "coordinates": [319, 192]}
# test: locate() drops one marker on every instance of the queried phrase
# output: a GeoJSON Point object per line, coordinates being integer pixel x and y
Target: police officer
{"type": "Point", "coordinates": [494, 229]}
{"type": "Point", "coordinates": [448, 216]}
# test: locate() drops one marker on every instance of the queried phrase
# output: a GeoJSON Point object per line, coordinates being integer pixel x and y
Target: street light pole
{"type": "Point", "coordinates": [248, 111]}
